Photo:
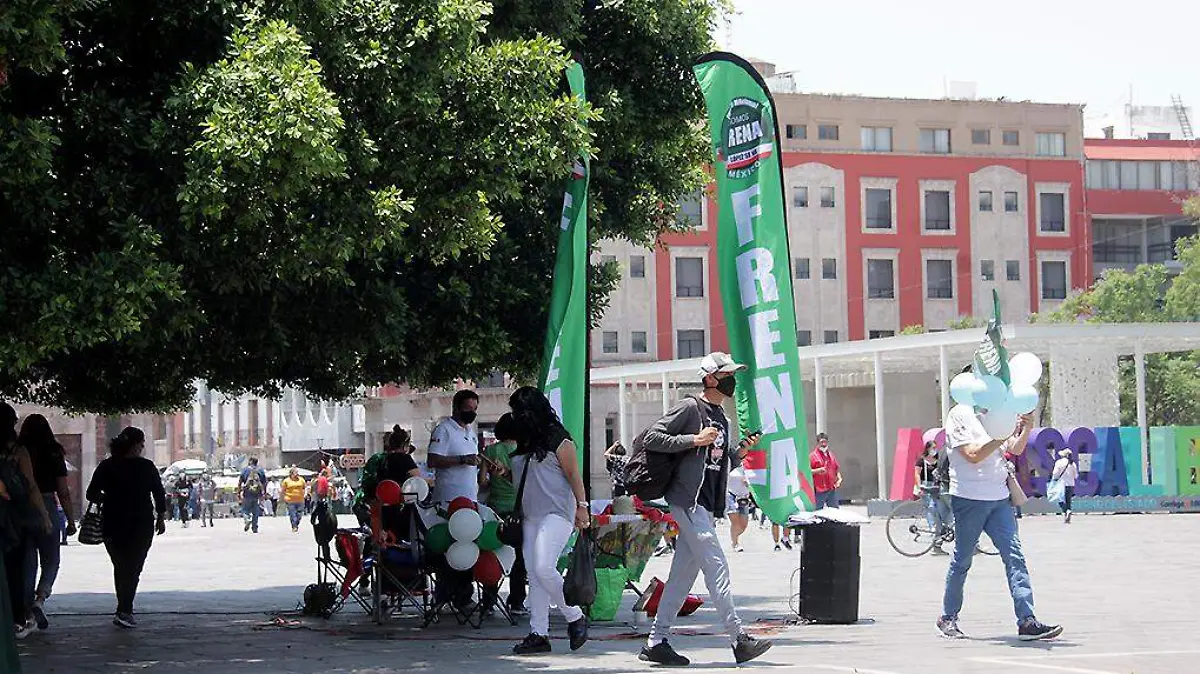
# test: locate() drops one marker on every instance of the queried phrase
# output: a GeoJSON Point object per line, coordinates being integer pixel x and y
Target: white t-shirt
{"type": "Point", "coordinates": [983, 481]}
{"type": "Point", "coordinates": [1066, 471]}
{"type": "Point", "coordinates": [449, 439]}
{"type": "Point", "coordinates": [737, 483]}
{"type": "Point", "coordinates": [273, 489]}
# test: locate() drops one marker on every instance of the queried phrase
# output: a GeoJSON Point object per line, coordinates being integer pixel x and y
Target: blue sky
{"type": "Point", "coordinates": [1054, 51]}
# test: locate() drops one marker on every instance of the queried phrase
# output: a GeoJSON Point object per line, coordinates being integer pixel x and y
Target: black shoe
{"type": "Point", "coordinates": [517, 610]}
{"type": "Point", "coordinates": [578, 633]}
{"type": "Point", "coordinates": [747, 648]}
{"type": "Point", "coordinates": [664, 655]}
{"type": "Point", "coordinates": [1032, 630]}
{"type": "Point", "coordinates": [125, 620]}
{"type": "Point", "coordinates": [39, 615]}
{"type": "Point", "coordinates": [534, 644]}
{"type": "Point", "coordinates": [787, 544]}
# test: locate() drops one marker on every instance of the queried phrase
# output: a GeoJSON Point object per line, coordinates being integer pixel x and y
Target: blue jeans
{"type": "Point", "coordinates": [251, 509]}
{"type": "Point", "coordinates": [827, 499]}
{"type": "Point", "coordinates": [937, 507]}
{"type": "Point", "coordinates": [45, 548]}
{"type": "Point", "coordinates": [995, 518]}
{"type": "Point", "coordinates": [295, 514]}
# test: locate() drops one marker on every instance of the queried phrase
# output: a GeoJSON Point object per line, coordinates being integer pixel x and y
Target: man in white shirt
{"type": "Point", "coordinates": [979, 498]}
{"type": "Point", "coordinates": [454, 451]}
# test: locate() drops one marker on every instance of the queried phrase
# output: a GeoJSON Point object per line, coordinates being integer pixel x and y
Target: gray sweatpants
{"type": "Point", "coordinates": [696, 550]}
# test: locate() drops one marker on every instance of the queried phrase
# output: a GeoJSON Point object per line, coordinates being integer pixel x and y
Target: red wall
{"type": "Point", "coordinates": [1135, 202]}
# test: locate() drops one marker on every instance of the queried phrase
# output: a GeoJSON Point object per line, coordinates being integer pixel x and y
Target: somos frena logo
{"type": "Point", "coordinates": [747, 138]}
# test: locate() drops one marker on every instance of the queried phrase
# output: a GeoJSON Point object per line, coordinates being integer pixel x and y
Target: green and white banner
{"type": "Point", "coordinates": [756, 281]}
{"type": "Point", "coordinates": [564, 357]}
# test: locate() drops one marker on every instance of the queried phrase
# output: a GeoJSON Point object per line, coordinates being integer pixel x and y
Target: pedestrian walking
{"type": "Point", "coordinates": [698, 430]}
{"type": "Point", "coordinates": [274, 489]}
{"type": "Point", "coordinates": [738, 507]}
{"type": "Point", "coordinates": [553, 505]}
{"type": "Point", "coordinates": [252, 485]}
{"type": "Point", "coordinates": [50, 474]}
{"type": "Point", "coordinates": [980, 500]}
{"type": "Point", "coordinates": [502, 498]}
{"type": "Point", "coordinates": [123, 485]}
{"type": "Point", "coordinates": [183, 495]}
{"type": "Point", "coordinates": [24, 519]}
{"type": "Point", "coordinates": [208, 499]}
{"type": "Point", "coordinates": [293, 487]}
{"type": "Point", "coordinates": [614, 461]}
{"type": "Point", "coordinates": [827, 475]}
{"type": "Point", "coordinates": [1066, 472]}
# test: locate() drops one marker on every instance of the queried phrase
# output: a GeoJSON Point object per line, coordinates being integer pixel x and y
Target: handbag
{"type": "Point", "coordinates": [91, 527]}
{"type": "Point", "coordinates": [1056, 491]}
{"type": "Point", "coordinates": [579, 587]}
{"type": "Point", "coordinates": [512, 526]}
{"type": "Point", "coordinates": [1016, 495]}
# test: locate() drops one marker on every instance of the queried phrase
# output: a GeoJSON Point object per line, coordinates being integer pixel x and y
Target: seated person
{"type": "Point", "coordinates": [395, 463]}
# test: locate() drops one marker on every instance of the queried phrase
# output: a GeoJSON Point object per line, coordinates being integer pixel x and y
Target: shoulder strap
{"type": "Point", "coordinates": [518, 508]}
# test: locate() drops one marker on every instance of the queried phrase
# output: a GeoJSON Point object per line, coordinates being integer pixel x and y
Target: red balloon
{"type": "Point", "coordinates": [488, 571]}
{"type": "Point", "coordinates": [460, 503]}
{"type": "Point", "coordinates": [388, 492]}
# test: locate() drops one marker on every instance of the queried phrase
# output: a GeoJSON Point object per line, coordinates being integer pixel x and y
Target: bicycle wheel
{"type": "Point", "coordinates": [908, 531]}
{"type": "Point", "coordinates": [986, 547]}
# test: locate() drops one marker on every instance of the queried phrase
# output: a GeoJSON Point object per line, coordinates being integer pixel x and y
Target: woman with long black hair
{"type": "Point", "coordinates": [23, 516]}
{"type": "Point", "coordinates": [50, 473]}
{"type": "Point", "coordinates": [123, 485]}
{"type": "Point", "coordinates": [553, 505]}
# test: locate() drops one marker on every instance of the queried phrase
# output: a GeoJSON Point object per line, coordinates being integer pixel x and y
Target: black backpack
{"type": "Point", "coordinates": [648, 474]}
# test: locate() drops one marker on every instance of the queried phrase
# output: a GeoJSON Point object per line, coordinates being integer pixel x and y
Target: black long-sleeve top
{"type": "Point", "coordinates": [124, 487]}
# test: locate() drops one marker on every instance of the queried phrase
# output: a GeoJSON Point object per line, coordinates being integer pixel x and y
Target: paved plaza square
{"type": "Point", "coordinates": [1124, 587]}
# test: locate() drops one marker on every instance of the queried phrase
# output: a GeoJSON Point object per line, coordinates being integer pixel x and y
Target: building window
{"type": "Point", "coordinates": [877, 138]}
{"type": "Point", "coordinates": [1053, 212]}
{"type": "Point", "coordinates": [936, 141]}
{"type": "Point", "coordinates": [828, 268]}
{"type": "Point", "coordinates": [985, 201]}
{"type": "Point", "coordinates": [638, 341]}
{"type": "Point", "coordinates": [804, 338]}
{"type": "Point", "coordinates": [690, 211]}
{"type": "Point", "coordinates": [827, 197]}
{"type": "Point", "coordinates": [981, 136]}
{"type": "Point", "coordinates": [1051, 145]}
{"type": "Point", "coordinates": [879, 208]}
{"type": "Point", "coordinates": [1011, 138]}
{"type": "Point", "coordinates": [797, 131]}
{"type": "Point", "coordinates": [637, 266]}
{"type": "Point", "coordinates": [689, 277]}
{"type": "Point", "coordinates": [937, 210]}
{"type": "Point", "coordinates": [939, 277]}
{"type": "Point", "coordinates": [1011, 205]}
{"type": "Point", "coordinates": [880, 334]}
{"type": "Point", "coordinates": [831, 336]}
{"type": "Point", "coordinates": [610, 341]}
{"type": "Point", "coordinates": [987, 270]}
{"type": "Point", "coordinates": [800, 197]}
{"type": "Point", "coordinates": [881, 281]}
{"type": "Point", "coordinates": [827, 132]}
{"type": "Point", "coordinates": [608, 259]}
{"type": "Point", "coordinates": [690, 344]}
{"type": "Point", "coordinates": [1158, 135]}
{"type": "Point", "coordinates": [1054, 280]}
{"type": "Point", "coordinates": [1013, 270]}
{"type": "Point", "coordinates": [610, 431]}
{"type": "Point", "coordinates": [802, 268]}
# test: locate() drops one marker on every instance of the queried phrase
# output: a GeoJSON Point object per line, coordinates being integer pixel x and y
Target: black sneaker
{"type": "Point", "coordinates": [125, 620]}
{"type": "Point", "coordinates": [787, 544]}
{"type": "Point", "coordinates": [1032, 630]}
{"type": "Point", "coordinates": [578, 633]}
{"type": "Point", "coordinates": [39, 615]}
{"type": "Point", "coordinates": [747, 648]}
{"type": "Point", "coordinates": [949, 628]}
{"type": "Point", "coordinates": [664, 655]}
{"type": "Point", "coordinates": [534, 644]}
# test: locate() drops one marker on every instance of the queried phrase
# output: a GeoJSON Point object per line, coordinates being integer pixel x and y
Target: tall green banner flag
{"type": "Point", "coordinates": [564, 357]}
{"type": "Point", "coordinates": [756, 281]}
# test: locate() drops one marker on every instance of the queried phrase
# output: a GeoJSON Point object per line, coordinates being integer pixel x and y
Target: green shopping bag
{"type": "Point", "coordinates": [610, 588]}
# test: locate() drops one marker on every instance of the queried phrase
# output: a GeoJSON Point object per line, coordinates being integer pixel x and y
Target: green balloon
{"type": "Point", "coordinates": [489, 538]}
{"type": "Point", "coordinates": [438, 540]}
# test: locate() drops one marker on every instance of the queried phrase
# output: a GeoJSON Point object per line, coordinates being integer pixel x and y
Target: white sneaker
{"type": "Point", "coordinates": [25, 630]}
{"type": "Point", "coordinates": [738, 548]}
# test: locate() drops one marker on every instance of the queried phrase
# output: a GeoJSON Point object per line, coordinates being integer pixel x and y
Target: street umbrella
{"type": "Point", "coordinates": [188, 467]}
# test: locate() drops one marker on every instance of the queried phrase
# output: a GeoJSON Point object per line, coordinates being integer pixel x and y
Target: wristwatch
{"type": "Point", "coordinates": [584, 504]}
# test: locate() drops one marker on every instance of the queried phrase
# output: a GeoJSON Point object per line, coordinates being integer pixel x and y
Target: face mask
{"type": "Point", "coordinates": [727, 386]}
{"type": "Point", "coordinates": [467, 417]}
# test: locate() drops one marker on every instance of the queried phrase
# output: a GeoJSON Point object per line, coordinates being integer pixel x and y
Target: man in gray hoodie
{"type": "Point", "coordinates": [698, 430]}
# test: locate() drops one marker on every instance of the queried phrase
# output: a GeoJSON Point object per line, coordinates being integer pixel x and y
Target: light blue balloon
{"type": "Point", "coordinates": [1022, 399]}
{"type": "Point", "coordinates": [993, 395]}
{"type": "Point", "coordinates": [964, 387]}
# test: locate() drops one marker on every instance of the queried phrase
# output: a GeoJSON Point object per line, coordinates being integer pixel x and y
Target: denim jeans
{"type": "Point", "coordinates": [45, 549]}
{"type": "Point", "coordinates": [937, 507]}
{"type": "Point", "coordinates": [995, 518]}
{"type": "Point", "coordinates": [295, 513]}
{"type": "Point", "coordinates": [827, 499]}
{"type": "Point", "coordinates": [251, 509]}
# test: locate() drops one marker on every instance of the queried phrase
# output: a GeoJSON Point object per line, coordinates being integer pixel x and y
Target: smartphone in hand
{"type": "Point", "coordinates": [750, 438]}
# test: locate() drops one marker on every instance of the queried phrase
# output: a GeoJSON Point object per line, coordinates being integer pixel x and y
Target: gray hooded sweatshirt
{"type": "Point", "coordinates": [676, 433]}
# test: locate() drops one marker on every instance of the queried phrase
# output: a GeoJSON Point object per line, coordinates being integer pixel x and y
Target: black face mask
{"type": "Point", "coordinates": [727, 386]}
{"type": "Point", "coordinates": [466, 417]}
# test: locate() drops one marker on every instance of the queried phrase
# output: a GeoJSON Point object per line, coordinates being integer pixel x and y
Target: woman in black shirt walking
{"type": "Point", "coordinates": [123, 485]}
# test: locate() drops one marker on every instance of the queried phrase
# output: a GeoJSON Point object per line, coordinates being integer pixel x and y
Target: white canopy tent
{"type": "Point", "coordinates": [865, 363]}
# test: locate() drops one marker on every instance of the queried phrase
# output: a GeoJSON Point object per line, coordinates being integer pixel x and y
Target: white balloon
{"type": "Point", "coordinates": [507, 556]}
{"type": "Point", "coordinates": [414, 489]}
{"type": "Point", "coordinates": [1022, 398]}
{"type": "Point", "coordinates": [462, 555]}
{"type": "Point", "coordinates": [487, 514]}
{"type": "Point", "coordinates": [1025, 369]}
{"type": "Point", "coordinates": [1000, 423]}
{"type": "Point", "coordinates": [465, 525]}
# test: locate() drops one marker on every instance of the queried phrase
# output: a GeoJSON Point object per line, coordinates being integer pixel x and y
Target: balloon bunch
{"type": "Point", "coordinates": [470, 540]}
{"type": "Point", "coordinates": [391, 493]}
{"type": "Point", "coordinates": [1002, 402]}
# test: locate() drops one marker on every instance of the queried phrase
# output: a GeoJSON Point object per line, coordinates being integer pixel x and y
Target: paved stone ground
{"type": "Point", "coordinates": [1124, 587]}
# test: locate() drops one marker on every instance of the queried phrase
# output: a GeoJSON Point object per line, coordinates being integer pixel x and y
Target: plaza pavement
{"type": "Point", "coordinates": [1125, 587]}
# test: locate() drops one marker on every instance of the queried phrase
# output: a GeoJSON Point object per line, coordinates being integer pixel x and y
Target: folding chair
{"type": "Point", "coordinates": [400, 575]}
{"type": "Point", "coordinates": [341, 573]}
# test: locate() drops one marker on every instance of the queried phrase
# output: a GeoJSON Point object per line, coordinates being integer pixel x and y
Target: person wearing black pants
{"type": "Point", "coordinates": [123, 485]}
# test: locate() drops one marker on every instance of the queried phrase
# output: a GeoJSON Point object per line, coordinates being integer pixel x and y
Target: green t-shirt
{"type": "Point", "coordinates": [502, 495]}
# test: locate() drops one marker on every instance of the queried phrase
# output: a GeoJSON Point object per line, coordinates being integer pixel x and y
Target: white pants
{"type": "Point", "coordinates": [697, 550]}
{"type": "Point", "coordinates": [545, 539]}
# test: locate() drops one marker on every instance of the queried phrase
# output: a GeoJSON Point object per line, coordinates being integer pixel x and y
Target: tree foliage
{"type": "Point", "coordinates": [321, 195]}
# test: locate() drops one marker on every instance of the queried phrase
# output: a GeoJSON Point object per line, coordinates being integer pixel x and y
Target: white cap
{"type": "Point", "coordinates": [719, 362]}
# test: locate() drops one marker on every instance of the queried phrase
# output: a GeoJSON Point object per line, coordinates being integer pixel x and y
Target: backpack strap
{"type": "Point", "coordinates": [518, 509]}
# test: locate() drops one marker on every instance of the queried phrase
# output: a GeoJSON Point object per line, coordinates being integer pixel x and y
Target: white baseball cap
{"type": "Point", "coordinates": [719, 362]}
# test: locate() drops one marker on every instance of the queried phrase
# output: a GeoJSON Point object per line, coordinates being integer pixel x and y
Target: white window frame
{"type": "Point", "coordinates": [1045, 257]}
{"type": "Point", "coordinates": [936, 147]}
{"type": "Point", "coordinates": [947, 256]}
{"type": "Point", "coordinates": [1052, 188]}
{"type": "Point", "coordinates": [1050, 144]}
{"type": "Point", "coordinates": [888, 184]}
{"type": "Point", "coordinates": [870, 137]}
{"type": "Point", "coordinates": [939, 186]}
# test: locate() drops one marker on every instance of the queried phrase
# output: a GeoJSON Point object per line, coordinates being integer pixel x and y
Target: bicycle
{"type": "Point", "coordinates": [914, 528]}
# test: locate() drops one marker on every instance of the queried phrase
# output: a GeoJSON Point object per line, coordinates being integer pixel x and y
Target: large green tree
{"type": "Point", "coordinates": [324, 195]}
